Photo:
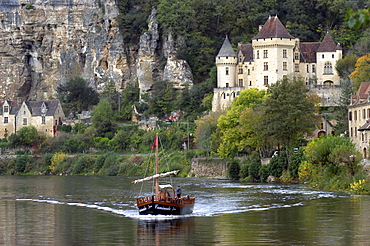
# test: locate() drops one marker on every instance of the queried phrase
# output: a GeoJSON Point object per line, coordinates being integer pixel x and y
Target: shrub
{"type": "Point", "coordinates": [233, 169]}
{"type": "Point", "coordinates": [264, 172]}
{"type": "Point", "coordinates": [254, 168]}
{"type": "Point", "coordinates": [278, 164]}
{"type": "Point", "coordinates": [21, 163]}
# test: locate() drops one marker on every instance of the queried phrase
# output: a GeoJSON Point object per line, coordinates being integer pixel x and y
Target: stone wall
{"type": "Point", "coordinates": [209, 167]}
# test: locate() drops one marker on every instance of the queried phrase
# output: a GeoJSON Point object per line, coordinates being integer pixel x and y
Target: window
{"type": "Point", "coordinates": [296, 56]}
{"type": "Point", "coordinates": [328, 68]}
{"type": "Point", "coordinates": [240, 82]}
{"type": "Point", "coordinates": [350, 116]}
{"type": "Point", "coordinates": [308, 69]}
{"type": "Point", "coordinates": [25, 121]}
{"type": "Point", "coordinates": [6, 109]}
{"type": "Point", "coordinates": [43, 120]}
{"type": "Point", "coordinates": [265, 53]}
{"type": "Point", "coordinates": [227, 71]}
{"type": "Point", "coordinates": [258, 54]}
{"type": "Point", "coordinates": [250, 83]}
{"type": "Point", "coordinates": [266, 80]}
{"type": "Point", "coordinates": [313, 69]}
{"type": "Point", "coordinates": [240, 59]}
{"type": "Point", "coordinates": [332, 56]}
{"type": "Point", "coordinates": [227, 84]}
{"type": "Point", "coordinates": [284, 54]}
{"type": "Point", "coordinates": [355, 115]}
{"type": "Point", "coordinates": [285, 66]}
{"type": "Point", "coordinates": [249, 72]}
{"type": "Point", "coordinates": [240, 70]}
{"type": "Point", "coordinates": [364, 113]}
{"type": "Point", "coordinates": [323, 56]}
{"type": "Point", "coordinates": [266, 66]}
{"type": "Point", "coordinates": [296, 67]}
{"type": "Point", "coordinates": [368, 113]}
{"type": "Point", "coordinates": [6, 120]}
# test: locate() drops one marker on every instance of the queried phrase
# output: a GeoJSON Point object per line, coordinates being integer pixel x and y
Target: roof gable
{"type": "Point", "coordinates": [45, 108]}
{"type": "Point", "coordinates": [273, 28]}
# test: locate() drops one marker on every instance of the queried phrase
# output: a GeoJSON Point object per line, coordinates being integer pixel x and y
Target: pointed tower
{"type": "Point", "coordinates": [326, 56]}
{"type": "Point", "coordinates": [275, 53]}
{"type": "Point", "coordinates": [226, 61]}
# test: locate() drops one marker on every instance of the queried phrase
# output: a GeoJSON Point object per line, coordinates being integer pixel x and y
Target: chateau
{"type": "Point", "coordinates": [273, 55]}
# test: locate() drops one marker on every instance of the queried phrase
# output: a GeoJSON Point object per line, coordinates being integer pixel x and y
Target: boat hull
{"type": "Point", "coordinates": [165, 208]}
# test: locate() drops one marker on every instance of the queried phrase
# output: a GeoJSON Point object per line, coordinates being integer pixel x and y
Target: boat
{"type": "Point", "coordinates": [164, 201]}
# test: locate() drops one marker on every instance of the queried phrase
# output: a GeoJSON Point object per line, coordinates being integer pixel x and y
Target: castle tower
{"type": "Point", "coordinates": [326, 56]}
{"type": "Point", "coordinates": [275, 53]}
{"type": "Point", "coordinates": [226, 61]}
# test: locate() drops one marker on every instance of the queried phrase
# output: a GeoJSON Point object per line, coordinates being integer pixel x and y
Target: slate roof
{"type": "Point", "coordinates": [226, 49]}
{"type": "Point", "coordinates": [273, 28]}
{"type": "Point", "coordinates": [247, 51]}
{"type": "Point", "coordinates": [35, 107]}
{"type": "Point", "coordinates": [13, 107]}
{"type": "Point", "coordinates": [327, 44]}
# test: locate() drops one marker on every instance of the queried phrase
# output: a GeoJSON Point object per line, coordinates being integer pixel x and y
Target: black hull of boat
{"type": "Point", "coordinates": [165, 209]}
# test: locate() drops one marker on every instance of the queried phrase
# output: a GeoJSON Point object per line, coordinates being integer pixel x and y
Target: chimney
{"type": "Point", "coordinates": [260, 27]}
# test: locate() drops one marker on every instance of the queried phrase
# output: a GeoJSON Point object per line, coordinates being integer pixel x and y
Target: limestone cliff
{"type": "Point", "coordinates": [47, 42]}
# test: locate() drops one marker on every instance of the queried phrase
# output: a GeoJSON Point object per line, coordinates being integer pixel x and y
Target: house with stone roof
{"type": "Point", "coordinates": [359, 118]}
{"type": "Point", "coordinates": [273, 55]}
{"type": "Point", "coordinates": [44, 115]}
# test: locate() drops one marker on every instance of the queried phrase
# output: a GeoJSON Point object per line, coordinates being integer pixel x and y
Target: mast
{"type": "Point", "coordinates": [156, 168]}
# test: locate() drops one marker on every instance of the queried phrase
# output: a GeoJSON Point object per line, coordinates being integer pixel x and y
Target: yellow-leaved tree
{"type": "Point", "coordinates": [362, 71]}
{"type": "Point", "coordinates": [56, 160]}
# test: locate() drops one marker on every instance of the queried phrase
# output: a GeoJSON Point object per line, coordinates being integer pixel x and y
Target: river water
{"type": "Point", "coordinates": [84, 210]}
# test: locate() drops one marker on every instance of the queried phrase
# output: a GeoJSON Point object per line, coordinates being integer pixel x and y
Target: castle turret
{"type": "Point", "coordinates": [327, 55]}
{"type": "Point", "coordinates": [226, 61]}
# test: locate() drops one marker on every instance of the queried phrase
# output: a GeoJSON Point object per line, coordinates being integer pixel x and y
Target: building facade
{"type": "Point", "coordinates": [359, 118]}
{"type": "Point", "coordinates": [44, 115]}
{"type": "Point", "coordinates": [273, 55]}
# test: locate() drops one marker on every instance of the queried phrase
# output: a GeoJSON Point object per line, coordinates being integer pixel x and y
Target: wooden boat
{"type": "Point", "coordinates": [164, 201]}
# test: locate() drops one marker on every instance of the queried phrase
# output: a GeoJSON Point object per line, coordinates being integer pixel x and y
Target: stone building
{"type": "Point", "coordinates": [44, 115]}
{"type": "Point", "coordinates": [273, 55]}
{"type": "Point", "coordinates": [359, 118]}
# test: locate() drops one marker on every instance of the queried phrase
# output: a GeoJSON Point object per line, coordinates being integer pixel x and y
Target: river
{"type": "Point", "coordinates": [85, 210]}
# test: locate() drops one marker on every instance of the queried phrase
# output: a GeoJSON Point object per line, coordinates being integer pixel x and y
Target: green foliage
{"type": "Point", "coordinates": [161, 102]}
{"type": "Point", "coordinates": [359, 18]}
{"type": "Point", "coordinates": [233, 169]}
{"type": "Point", "coordinates": [76, 96]}
{"type": "Point", "coordinates": [103, 117]}
{"type": "Point", "coordinates": [289, 113]}
{"type": "Point", "coordinates": [21, 163]}
{"type": "Point", "coordinates": [205, 127]}
{"type": "Point", "coordinates": [26, 136]}
{"type": "Point", "coordinates": [29, 6]}
{"type": "Point", "coordinates": [238, 125]}
{"type": "Point", "coordinates": [264, 172]}
{"type": "Point", "coordinates": [255, 167]}
{"type": "Point", "coordinates": [295, 160]}
{"type": "Point", "coordinates": [278, 165]}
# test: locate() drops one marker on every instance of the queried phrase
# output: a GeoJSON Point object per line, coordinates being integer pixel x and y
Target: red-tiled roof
{"type": "Point", "coordinates": [273, 28]}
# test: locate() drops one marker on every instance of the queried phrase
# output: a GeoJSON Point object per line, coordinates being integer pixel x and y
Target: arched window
{"type": "Point", "coordinates": [328, 68]}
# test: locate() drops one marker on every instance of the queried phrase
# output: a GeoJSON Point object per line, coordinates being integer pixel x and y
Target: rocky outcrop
{"type": "Point", "coordinates": [46, 43]}
{"type": "Point", "coordinates": [209, 168]}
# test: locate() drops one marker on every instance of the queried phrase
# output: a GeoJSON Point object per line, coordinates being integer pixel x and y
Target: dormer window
{"type": "Point", "coordinates": [6, 109]}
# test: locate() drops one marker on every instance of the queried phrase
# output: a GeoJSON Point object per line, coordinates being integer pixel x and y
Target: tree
{"type": "Point", "coordinates": [161, 102]}
{"type": "Point", "coordinates": [205, 127]}
{"type": "Point", "coordinates": [236, 126]}
{"type": "Point", "coordinates": [359, 18]}
{"type": "Point", "coordinates": [289, 113]}
{"type": "Point", "coordinates": [77, 96]}
{"type": "Point", "coordinates": [362, 71]}
{"type": "Point", "coordinates": [103, 117]}
{"type": "Point", "coordinates": [26, 136]}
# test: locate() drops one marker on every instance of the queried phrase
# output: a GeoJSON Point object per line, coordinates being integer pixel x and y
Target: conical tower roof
{"type": "Point", "coordinates": [226, 49]}
{"type": "Point", "coordinates": [273, 28]}
{"type": "Point", "coordinates": [327, 44]}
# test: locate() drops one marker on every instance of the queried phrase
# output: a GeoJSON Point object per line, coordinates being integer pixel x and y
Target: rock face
{"type": "Point", "coordinates": [46, 43]}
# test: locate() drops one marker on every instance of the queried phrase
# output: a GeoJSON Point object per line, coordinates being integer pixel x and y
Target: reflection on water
{"type": "Point", "coordinates": [50, 210]}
